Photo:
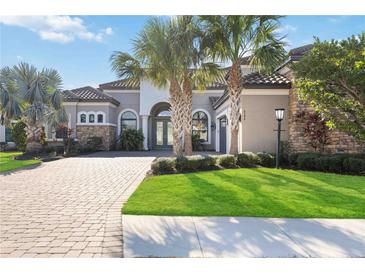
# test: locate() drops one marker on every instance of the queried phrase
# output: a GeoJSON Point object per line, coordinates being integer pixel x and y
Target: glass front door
{"type": "Point", "coordinates": [162, 133]}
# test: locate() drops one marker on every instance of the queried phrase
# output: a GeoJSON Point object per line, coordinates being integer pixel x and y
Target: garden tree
{"type": "Point", "coordinates": [34, 97]}
{"type": "Point", "coordinates": [315, 129]}
{"type": "Point", "coordinates": [167, 53]}
{"type": "Point", "coordinates": [229, 38]}
{"type": "Point", "coordinates": [331, 79]}
{"type": "Point", "coordinates": [153, 59]}
{"type": "Point", "coordinates": [196, 71]}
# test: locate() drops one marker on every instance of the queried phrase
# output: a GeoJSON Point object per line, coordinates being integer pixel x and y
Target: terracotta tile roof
{"type": "Point", "coordinates": [257, 80]}
{"type": "Point", "coordinates": [88, 94]}
{"type": "Point", "coordinates": [213, 99]}
{"type": "Point", "coordinates": [120, 84]}
{"type": "Point", "coordinates": [245, 60]}
{"type": "Point", "coordinates": [296, 53]}
{"type": "Point", "coordinates": [124, 84]}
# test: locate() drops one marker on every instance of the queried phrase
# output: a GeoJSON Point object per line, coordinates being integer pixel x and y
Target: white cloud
{"type": "Point", "coordinates": [108, 31]}
{"type": "Point", "coordinates": [284, 29]}
{"type": "Point", "coordinates": [62, 29]}
{"type": "Point", "coordinates": [337, 19]}
{"type": "Point", "coordinates": [19, 58]}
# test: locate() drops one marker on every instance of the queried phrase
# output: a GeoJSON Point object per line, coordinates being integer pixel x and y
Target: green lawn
{"type": "Point", "coordinates": [8, 163]}
{"type": "Point", "coordinates": [260, 192]}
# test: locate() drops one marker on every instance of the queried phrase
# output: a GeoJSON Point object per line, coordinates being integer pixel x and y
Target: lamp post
{"type": "Point", "coordinates": [279, 114]}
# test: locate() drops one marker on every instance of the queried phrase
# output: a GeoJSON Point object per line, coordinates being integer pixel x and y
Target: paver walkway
{"type": "Point", "coordinates": [70, 207]}
{"type": "Point", "coordinates": [158, 236]}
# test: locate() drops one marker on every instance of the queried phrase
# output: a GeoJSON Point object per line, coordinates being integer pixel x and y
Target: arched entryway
{"type": "Point", "coordinates": [161, 126]}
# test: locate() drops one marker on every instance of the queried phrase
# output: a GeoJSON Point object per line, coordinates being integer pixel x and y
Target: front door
{"type": "Point", "coordinates": [223, 135]}
{"type": "Point", "coordinates": [162, 132]}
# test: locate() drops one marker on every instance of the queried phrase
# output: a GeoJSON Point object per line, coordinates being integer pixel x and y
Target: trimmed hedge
{"type": "Point", "coordinates": [307, 161]}
{"type": "Point", "coordinates": [193, 163]}
{"type": "Point", "coordinates": [164, 165]}
{"type": "Point", "coordinates": [354, 165]}
{"type": "Point", "coordinates": [227, 161]}
{"type": "Point", "coordinates": [266, 159]}
{"type": "Point", "coordinates": [337, 163]}
{"type": "Point", "coordinates": [248, 159]}
{"type": "Point", "coordinates": [329, 163]}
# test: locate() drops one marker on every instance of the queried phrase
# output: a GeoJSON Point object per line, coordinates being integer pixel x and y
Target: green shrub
{"type": "Point", "coordinates": [193, 163]}
{"type": "Point", "coordinates": [266, 159]}
{"type": "Point", "coordinates": [247, 159]}
{"type": "Point", "coordinates": [164, 165]}
{"type": "Point", "coordinates": [307, 161]}
{"type": "Point", "coordinates": [227, 161]}
{"type": "Point", "coordinates": [131, 139]}
{"type": "Point", "coordinates": [354, 165]}
{"type": "Point", "coordinates": [19, 135]}
{"type": "Point", "coordinates": [95, 143]}
{"type": "Point", "coordinates": [293, 157]}
{"type": "Point", "coordinates": [332, 163]}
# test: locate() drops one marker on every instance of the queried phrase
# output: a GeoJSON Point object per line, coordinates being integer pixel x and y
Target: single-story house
{"type": "Point", "coordinates": [107, 110]}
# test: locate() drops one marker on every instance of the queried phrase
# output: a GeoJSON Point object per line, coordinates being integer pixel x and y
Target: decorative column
{"type": "Point", "coordinates": [145, 131]}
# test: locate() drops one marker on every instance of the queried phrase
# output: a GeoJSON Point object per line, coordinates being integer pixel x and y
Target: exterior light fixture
{"type": "Point", "coordinates": [279, 115]}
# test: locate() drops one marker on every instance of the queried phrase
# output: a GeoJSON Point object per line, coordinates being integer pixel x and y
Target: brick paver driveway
{"type": "Point", "coordinates": [69, 207]}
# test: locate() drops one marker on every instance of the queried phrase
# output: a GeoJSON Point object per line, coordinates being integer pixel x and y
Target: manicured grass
{"type": "Point", "coordinates": [261, 192]}
{"type": "Point", "coordinates": [8, 163]}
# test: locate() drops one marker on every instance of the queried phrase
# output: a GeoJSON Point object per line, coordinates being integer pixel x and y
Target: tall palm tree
{"type": "Point", "coordinates": [230, 38]}
{"type": "Point", "coordinates": [196, 71]}
{"type": "Point", "coordinates": [33, 96]}
{"type": "Point", "coordinates": [154, 59]}
{"type": "Point", "coordinates": [167, 53]}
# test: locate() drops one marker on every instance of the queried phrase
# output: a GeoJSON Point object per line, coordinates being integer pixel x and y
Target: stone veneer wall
{"type": "Point", "coordinates": [339, 142]}
{"type": "Point", "coordinates": [106, 132]}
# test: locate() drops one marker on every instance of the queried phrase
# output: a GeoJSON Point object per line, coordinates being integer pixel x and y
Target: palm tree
{"type": "Point", "coordinates": [33, 96]}
{"type": "Point", "coordinates": [167, 52]}
{"type": "Point", "coordinates": [196, 71]}
{"type": "Point", "coordinates": [230, 38]}
{"type": "Point", "coordinates": [154, 59]}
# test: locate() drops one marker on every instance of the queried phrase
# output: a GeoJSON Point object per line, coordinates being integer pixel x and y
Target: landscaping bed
{"type": "Point", "coordinates": [259, 192]}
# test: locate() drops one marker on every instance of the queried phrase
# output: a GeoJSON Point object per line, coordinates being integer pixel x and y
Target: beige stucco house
{"type": "Point", "coordinates": [107, 110]}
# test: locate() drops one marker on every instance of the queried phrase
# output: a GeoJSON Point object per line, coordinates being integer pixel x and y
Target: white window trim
{"type": "Point", "coordinates": [104, 117]}
{"type": "Point", "coordinates": [87, 113]}
{"type": "Point", "coordinates": [209, 124]}
{"type": "Point", "coordinates": [96, 124]}
{"type": "Point", "coordinates": [79, 117]}
{"type": "Point", "coordinates": [120, 116]}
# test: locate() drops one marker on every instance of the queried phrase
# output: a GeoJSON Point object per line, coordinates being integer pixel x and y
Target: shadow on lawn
{"type": "Point", "coordinates": [321, 195]}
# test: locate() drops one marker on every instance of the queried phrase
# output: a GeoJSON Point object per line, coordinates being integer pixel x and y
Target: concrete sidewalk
{"type": "Point", "coordinates": [155, 236]}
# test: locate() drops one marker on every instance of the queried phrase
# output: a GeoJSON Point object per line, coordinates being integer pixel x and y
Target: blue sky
{"type": "Point", "coordinates": [79, 47]}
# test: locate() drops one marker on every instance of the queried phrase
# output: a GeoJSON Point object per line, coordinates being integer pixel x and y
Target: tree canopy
{"type": "Point", "coordinates": [331, 79]}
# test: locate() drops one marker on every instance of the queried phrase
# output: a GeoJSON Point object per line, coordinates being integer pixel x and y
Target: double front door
{"type": "Point", "coordinates": [162, 133]}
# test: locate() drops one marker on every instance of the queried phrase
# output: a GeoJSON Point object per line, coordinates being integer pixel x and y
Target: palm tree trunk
{"type": "Point", "coordinates": [234, 90]}
{"type": "Point", "coordinates": [177, 118]}
{"type": "Point", "coordinates": [33, 134]}
{"type": "Point", "coordinates": [188, 119]}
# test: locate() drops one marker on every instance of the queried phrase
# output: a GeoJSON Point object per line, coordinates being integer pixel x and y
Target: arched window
{"type": "Point", "coordinates": [164, 113]}
{"type": "Point", "coordinates": [100, 118]}
{"type": "Point", "coordinates": [91, 118]}
{"type": "Point", "coordinates": [128, 120]}
{"type": "Point", "coordinates": [83, 118]}
{"type": "Point", "coordinates": [200, 125]}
